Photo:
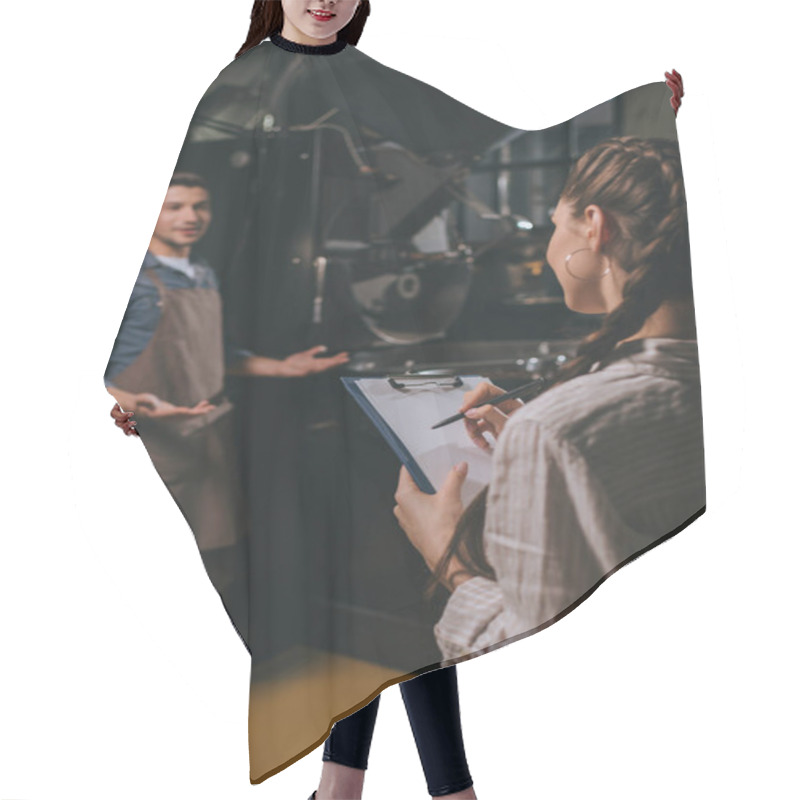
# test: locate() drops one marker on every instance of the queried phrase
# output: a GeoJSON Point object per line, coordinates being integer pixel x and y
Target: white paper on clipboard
{"type": "Point", "coordinates": [411, 413]}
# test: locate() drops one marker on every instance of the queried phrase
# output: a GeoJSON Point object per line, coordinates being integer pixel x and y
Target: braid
{"type": "Point", "coordinates": [639, 182]}
{"type": "Point", "coordinates": [654, 249]}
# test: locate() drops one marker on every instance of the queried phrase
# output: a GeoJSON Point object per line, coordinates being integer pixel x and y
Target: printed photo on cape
{"type": "Point", "coordinates": [333, 202]}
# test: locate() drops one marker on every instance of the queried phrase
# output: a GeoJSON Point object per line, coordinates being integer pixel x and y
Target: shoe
{"type": "Point", "coordinates": [313, 795]}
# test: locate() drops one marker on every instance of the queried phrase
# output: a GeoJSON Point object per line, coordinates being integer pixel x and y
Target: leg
{"type": "Point", "coordinates": [433, 710]}
{"type": "Point", "coordinates": [346, 753]}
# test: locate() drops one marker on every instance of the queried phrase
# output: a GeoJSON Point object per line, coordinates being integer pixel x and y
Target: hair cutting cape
{"type": "Point", "coordinates": [357, 207]}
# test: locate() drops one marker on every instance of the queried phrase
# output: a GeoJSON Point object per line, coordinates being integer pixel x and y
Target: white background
{"type": "Point", "coordinates": [121, 676]}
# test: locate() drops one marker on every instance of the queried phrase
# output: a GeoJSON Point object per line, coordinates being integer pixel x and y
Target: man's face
{"type": "Point", "coordinates": [184, 217]}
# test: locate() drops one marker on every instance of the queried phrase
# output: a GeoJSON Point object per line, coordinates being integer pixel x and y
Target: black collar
{"type": "Point", "coordinates": [310, 49]}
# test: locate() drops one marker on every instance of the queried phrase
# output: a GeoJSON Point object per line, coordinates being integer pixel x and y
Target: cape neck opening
{"type": "Point", "coordinates": [309, 49]}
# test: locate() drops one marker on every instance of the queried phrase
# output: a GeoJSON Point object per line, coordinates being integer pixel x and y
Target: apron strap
{"type": "Point", "coordinates": [151, 273]}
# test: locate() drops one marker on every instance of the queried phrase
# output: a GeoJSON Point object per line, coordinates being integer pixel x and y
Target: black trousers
{"type": "Point", "coordinates": [431, 701]}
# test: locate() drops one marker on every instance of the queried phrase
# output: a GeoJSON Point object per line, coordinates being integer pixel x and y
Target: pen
{"type": "Point", "coordinates": [494, 401]}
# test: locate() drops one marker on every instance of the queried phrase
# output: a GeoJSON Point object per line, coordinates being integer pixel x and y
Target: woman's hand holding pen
{"type": "Point", "coordinates": [482, 418]}
{"type": "Point", "coordinates": [429, 520]}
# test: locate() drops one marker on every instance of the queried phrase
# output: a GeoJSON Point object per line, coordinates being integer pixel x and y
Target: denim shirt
{"type": "Point", "coordinates": [143, 313]}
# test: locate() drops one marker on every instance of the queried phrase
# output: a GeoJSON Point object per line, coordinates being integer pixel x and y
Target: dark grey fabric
{"type": "Point", "coordinates": [348, 209]}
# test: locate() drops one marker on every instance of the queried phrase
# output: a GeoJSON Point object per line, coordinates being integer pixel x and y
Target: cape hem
{"type": "Point", "coordinates": [482, 651]}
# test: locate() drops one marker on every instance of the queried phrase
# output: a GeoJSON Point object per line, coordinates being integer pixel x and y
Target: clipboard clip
{"type": "Point", "coordinates": [454, 382]}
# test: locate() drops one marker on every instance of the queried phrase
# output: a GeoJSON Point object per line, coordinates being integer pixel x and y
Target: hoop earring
{"type": "Point", "coordinates": [578, 277]}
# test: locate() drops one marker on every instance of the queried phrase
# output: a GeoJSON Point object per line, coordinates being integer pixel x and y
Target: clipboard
{"type": "Point", "coordinates": [404, 407]}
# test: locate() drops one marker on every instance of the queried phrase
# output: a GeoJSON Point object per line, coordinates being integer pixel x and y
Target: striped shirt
{"type": "Point", "coordinates": [584, 477]}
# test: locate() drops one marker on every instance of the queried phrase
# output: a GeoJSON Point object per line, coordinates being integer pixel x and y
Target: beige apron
{"type": "Point", "coordinates": [183, 363]}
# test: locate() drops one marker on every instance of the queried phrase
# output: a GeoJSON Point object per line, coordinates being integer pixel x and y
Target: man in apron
{"type": "Point", "coordinates": [168, 366]}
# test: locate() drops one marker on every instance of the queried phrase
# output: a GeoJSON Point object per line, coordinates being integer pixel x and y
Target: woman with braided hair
{"type": "Point", "coordinates": [608, 461]}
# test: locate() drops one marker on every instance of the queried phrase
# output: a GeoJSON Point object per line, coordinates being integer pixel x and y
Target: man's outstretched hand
{"type": "Point", "coordinates": [305, 362]}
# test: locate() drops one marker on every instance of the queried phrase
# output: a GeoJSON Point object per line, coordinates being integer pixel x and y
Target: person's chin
{"type": "Point", "coordinates": [317, 32]}
{"type": "Point", "coordinates": [584, 308]}
{"type": "Point", "coordinates": [569, 303]}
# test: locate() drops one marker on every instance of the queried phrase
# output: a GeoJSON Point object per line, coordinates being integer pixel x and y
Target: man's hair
{"type": "Point", "coordinates": [188, 179]}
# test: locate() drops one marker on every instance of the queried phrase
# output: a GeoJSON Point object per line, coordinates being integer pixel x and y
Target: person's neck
{"type": "Point", "coordinates": [294, 34]}
{"type": "Point", "coordinates": [673, 319]}
{"type": "Point", "coordinates": [332, 47]}
{"type": "Point", "coordinates": [160, 249]}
